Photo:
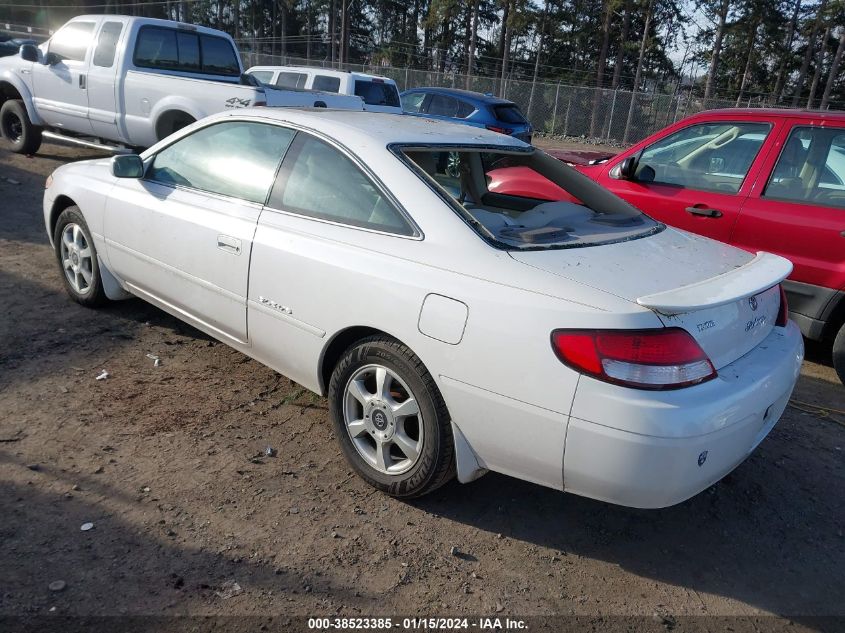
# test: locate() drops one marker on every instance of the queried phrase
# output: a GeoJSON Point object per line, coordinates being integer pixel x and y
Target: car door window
{"type": "Point", "coordinates": [107, 44]}
{"type": "Point", "coordinates": [235, 158]}
{"type": "Point", "coordinates": [71, 42]}
{"type": "Point", "coordinates": [413, 102]}
{"type": "Point", "coordinates": [317, 180]}
{"type": "Point", "coordinates": [441, 105]}
{"type": "Point", "coordinates": [706, 157]}
{"type": "Point", "coordinates": [811, 168]}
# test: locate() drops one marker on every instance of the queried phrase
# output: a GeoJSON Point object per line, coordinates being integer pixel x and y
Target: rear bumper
{"type": "Point", "coordinates": [656, 449]}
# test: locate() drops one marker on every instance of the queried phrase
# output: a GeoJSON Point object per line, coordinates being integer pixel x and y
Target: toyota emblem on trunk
{"type": "Point", "coordinates": [752, 301]}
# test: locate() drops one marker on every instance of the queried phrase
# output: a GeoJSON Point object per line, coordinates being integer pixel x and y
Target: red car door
{"type": "Point", "coordinates": [695, 175]}
{"type": "Point", "coordinates": [796, 209]}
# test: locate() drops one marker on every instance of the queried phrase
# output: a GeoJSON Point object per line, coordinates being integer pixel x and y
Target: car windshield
{"type": "Point", "coordinates": [545, 205]}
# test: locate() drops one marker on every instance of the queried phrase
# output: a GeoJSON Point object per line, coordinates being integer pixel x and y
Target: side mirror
{"type": "Point", "coordinates": [127, 166]}
{"type": "Point", "coordinates": [29, 52]}
{"type": "Point", "coordinates": [250, 80]}
{"type": "Point", "coordinates": [51, 59]}
{"type": "Point", "coordinates": [628, 168]}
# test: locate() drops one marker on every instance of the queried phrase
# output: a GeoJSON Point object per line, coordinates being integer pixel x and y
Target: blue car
{"type": "Point", "coordinates": [471, 108]}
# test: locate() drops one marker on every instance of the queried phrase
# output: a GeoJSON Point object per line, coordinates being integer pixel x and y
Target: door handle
{"type": "Point", "coordinates": [82, 81]}
{"type": "Point", "coordinates": [229, 244]}
{"type": "Point", "coordinates": [705, 212]}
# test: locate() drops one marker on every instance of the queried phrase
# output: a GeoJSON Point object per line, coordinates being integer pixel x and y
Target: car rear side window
{"type": "Point", "coordinates": [218, 56]}
{"type": "Point", "coordinates": [71, 42]}
{"type": "Point", "coordinates": [234, 158]}
{"type": "Point", "coordinates": [705, 157]}
{"type": "Point", "coordinates": [811, 168]}
{"type": "Point", "coordinates": [465, 109]}
{"type": "Point", "coordinates": [377, 92]}
{"type": "Point", "coordinates": [107, 44]}
{"type": "Point", "coordinates": [442, 105]}
{"type": "Point", "coordinates": [319, 181]}
{"type": "Point", "coordinates": [291, 80]}
{"type": "Point", "coordinates": [264, 76]}
{"type": "Point", "coordinates": [326, 83]}
{"type": "Point", "coordinates": [509, 114]}
{"type": "Point", "coordinates": [169, 49]}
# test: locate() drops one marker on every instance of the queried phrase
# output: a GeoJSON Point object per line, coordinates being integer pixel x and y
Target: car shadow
{"type": "Point", "coordinates": [768, 535]}
{"type": "Point", "coordinates": [171, 574]}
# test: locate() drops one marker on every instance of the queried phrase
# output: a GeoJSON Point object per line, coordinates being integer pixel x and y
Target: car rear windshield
{"type": "Point", "coordinates": [508, 114]}
{"type": "Point", "coordinates": [525, 199]}
{"type": "Point", "coordinates": [376, 92]}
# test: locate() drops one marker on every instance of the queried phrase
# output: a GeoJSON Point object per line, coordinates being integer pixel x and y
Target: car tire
{"type": "Point", "coordinates": [22, 137]}
{"type": "Point", "coordinates": [390, 419]}
{"type": "Point", "coordinates": [839, 354]}
{"type": "Point", "coordinates": [77, 259]}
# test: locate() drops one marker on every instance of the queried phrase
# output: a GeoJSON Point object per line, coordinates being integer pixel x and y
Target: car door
{"type": "Point", "coordinates": [60, 87]}
{"type": "Point", "coordinates": [103, 81]}
{"type": "Point", "coordinates": [797, 209]}
{"type": "Point", "coordinates": [695, 178]}
{"type": "Point", "coordinates": [321, 257]}
{"type": "Point", "coordinates": [182, 236]}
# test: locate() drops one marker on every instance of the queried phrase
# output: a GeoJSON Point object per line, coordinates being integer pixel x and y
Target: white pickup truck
{"type": "Point", "coordinates": [120, 80]}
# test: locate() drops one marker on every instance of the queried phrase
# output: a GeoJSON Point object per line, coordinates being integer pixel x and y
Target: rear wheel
{"type": "Point", "coordinates": [390, 419]}
{"type": "Point", "coordinates": [22, 137]}
{"type": "Point", "coordinates": [839, 353]}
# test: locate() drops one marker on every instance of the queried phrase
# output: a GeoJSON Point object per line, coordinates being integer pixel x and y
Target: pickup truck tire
{"type": "Point", "coordinates": [22, 137]}
{"type": "Point", "coordinates": [839, 354]}
{"type": "Point", "coordinates": [390, 419]}
{"type": "Point", "coordinates": [77, 259]}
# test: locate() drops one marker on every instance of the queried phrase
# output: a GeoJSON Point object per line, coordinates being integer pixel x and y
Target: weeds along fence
{"type": "Point", "coordinates": [598, 114]}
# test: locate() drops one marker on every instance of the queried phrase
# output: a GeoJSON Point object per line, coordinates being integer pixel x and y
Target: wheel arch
{"type": "Point", "coordinates": [835, 319]}
{"type": "Point", "coordinates": [61, 203]}
{"type": "Point", "coordinates": [340, 342]}
{"type": "Point", "coordinates": [166, 122]}
{"type": "Point", "coordinates": [13, 88]}
{"type": "Point", "coordinates": [467, 464]}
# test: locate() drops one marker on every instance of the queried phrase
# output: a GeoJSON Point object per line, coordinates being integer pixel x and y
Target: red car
{"type": "Point", "coordinates": [762, 180]}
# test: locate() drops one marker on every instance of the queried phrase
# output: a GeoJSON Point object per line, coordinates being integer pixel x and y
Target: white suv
{"type": "Point", "coordinates": [380, 94]}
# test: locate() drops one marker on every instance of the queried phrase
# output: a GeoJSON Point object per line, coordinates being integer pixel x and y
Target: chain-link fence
{"type": "Point", "coordinates": [598, 114]}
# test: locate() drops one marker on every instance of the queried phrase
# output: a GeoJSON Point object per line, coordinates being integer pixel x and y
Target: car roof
{"type": "Point", "coordinates": [766, 113]}
{"type": "Point", "coordinates": [377, 129]}
{"type": "Point", "coordinates": [333, 72]}
{"type": "Point", "coordinates": [136, 19]}
{"type": "Point", "coordinates": [463, 94]}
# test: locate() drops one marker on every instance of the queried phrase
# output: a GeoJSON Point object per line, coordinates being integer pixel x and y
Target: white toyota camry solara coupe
{"type": "Point", "coordinates": [577, 344]}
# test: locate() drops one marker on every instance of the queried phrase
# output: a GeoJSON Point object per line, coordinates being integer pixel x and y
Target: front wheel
{"type": "Point", "coordinates": [22, 137]}
{"type": "Point", "coordinates": [839, 354]}
{"type": "Point", "coordinates": [77, 258]}
{"type": "Point", "coordinates": [390, 419]}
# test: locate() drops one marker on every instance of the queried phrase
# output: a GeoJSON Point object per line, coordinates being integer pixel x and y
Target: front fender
{"type": "Point", "coordinates": [8, 76]}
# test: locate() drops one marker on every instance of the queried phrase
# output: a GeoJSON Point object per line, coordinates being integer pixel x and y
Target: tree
{"type": "Point", "coordinates": [834, 69]}
{"type": "Point", "coordinates": [724, 5]}
{"type": "Point", "coordinates": [811, 45]}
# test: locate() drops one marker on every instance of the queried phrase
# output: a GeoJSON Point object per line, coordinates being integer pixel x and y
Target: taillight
{"type": "Point", "coordinates": [667, 358]}
{"type": "Point", "coordinates": [500, 130]}
{"type": "Point", "coordinates": [783, 311]}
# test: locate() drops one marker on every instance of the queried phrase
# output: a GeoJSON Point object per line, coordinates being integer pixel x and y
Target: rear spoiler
{"type": "Point", "coordinates": [761, 273]}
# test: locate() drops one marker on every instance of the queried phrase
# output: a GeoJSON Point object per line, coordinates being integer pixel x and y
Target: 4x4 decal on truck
{"type": "Point", "coordinates": [234, 102]}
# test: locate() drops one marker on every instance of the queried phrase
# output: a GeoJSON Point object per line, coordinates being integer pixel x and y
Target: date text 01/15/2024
{"type": "Point", "coordinates": [417, 624]}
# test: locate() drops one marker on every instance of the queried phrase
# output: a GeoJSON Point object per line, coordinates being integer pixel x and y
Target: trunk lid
{"type": "Point", "coordinates": [725, 297]}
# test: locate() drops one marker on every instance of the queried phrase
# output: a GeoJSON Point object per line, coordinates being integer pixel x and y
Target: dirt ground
{"type": "Point", "coordinates": [167, 463]}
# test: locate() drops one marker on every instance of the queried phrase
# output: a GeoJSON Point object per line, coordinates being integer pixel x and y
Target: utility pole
{"type": "Point", "coordinates": [638, 73]}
